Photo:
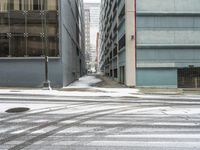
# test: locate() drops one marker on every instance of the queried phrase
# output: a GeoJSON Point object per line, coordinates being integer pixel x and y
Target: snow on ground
{"type": "Point", "coordinates": [85, 87]}
{"type": "Point", "coordinates": [85, 82]}
{"type": "Point", "coordinates": [76, 89]}
{"type": "Point", "coordinates": [88, 81]}
{"type": "Point", "coordinates": [101, 93]}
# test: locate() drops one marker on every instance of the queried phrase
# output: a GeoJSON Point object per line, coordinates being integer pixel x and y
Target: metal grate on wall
{"type": "Point", "coordinates": [189, 77]}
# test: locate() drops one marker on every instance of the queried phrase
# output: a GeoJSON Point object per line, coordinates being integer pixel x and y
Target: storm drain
{"type": "Point", "coordinates": [17, 110]}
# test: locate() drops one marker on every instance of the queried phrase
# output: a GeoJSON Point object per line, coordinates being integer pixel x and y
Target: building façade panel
{"type": "Point", "coordinates": [167, 39]}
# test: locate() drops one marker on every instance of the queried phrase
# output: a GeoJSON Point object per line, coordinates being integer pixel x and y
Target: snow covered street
{"type": "Point", "coordinates": [85, 117]}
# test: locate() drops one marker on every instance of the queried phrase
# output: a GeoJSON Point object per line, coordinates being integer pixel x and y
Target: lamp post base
{"type": "Point", "coordinates": [47, 85]}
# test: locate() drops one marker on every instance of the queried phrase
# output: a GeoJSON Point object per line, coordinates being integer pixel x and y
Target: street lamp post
{"type": "Point", "coordinates": [47, 83]}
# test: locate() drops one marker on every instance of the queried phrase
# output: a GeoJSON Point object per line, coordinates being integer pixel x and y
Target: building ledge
{"type": "Point", "coordinates": [168, 64]}
{"type": "Point", "coordinates": [168, 46]}
{"type": "Point", "coordinates": [28, 58]}
{"type": "Point", "coordinates": [167, 13]}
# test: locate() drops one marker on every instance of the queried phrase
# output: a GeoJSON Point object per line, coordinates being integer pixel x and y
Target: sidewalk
{"type": "Point", "coordinates": [85, 86]}
{"type": "Point", "coordinates": [170, 91]}
{"type": "Point", "coordinates": [101, 86]}
{"type": "Point", "coordinates": [162, 91]}
{"type": "Point", "coordinates": [191, 91]}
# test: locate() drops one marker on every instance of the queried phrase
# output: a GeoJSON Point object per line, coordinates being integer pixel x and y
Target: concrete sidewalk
{"type": "Point", "coordinates": [110, 83]}
{"type": "Point", "coordinates": [98, 85]}
{"type": "Point", "coordinates": [170, 91]}
{"type": "Point", "coordinates": [162, 91]}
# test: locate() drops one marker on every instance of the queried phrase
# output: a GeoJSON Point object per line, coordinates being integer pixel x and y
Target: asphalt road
{"type": "Point", "coordinates": [99, 123]}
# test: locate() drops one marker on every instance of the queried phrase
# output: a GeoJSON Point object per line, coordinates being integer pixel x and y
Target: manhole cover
{"type": "Point", "coordinates": [17, 110]}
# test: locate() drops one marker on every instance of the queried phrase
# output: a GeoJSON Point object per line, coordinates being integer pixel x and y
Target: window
{"type": "Point", "coordinates": [4, 5]}
{"type": "Point", "coordinates": [77, 51]}
{"type": "Point", "coordinates": [17, 5]}
{"type": "Point", "coordinates": [52, 4]}
{"type": "Point", "coordinates": [122, 42]}
{"type": "Point", "coordinates": [52, 33]}
{"type": "Point", "coordinates": [17, 23]}
{"type": "Point", "coordinates": [4, 45]}
{"type": "Point", "coordinates": [35, 46]}
{"type": "Point", "coordinates": [26, 28]}
{"type": "Point", "coordinates": [37, 4]}
{"type": "Point", "coordinates": [4, 22]}
{"type": "Point", "coordinates": [18, 46]}
{"type": "Point", "coordinates": [34, 23]}
{"type": "Point", "coordinates": [115, 73]}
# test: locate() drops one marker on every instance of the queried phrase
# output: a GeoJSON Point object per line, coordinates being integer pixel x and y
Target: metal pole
{"type": "Point", "coordinates": [46, 68]}
{"type": "Point", "coordinates": [46, 85]}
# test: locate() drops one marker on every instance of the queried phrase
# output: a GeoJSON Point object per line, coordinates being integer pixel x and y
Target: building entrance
{"type": "Point", "coordinates": [122, 75]}
{"type": "Point", "coordinates": [189, 78]}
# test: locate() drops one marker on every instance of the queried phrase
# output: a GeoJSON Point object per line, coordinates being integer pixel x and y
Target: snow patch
{"type": "Point", "coordinates": [84, 82]}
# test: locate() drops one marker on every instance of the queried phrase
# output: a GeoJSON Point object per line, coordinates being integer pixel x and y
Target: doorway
{"type": "Point", "coordinates": [122, 74]}
{"type": "Point", "coordinates": [189, 77]}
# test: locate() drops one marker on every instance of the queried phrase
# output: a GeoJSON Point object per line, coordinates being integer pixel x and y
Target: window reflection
{"type": "Point", "coordinates": [53, 46]}
{"type": "Point", "coordinates": [35, 46]}
{"type": "Point", "coordinates": [4, 23]}
{"type": "Point", "coordinates": [4, 45]}
{"type": "Point", "coordinates": [17, 22]}
{"type": "Point", "coordinates": [52, 4]}
{"type": "Point", "coordinates": [34, 23]}
{"type": "Point", "coordinates": [18, 46]}
{"type": "Point", "coordinates": [36, 4]}
{"type": "Point", "coordinates": [52, 26]}
{"type": "Point", "coordinates": [3, 5]}
{"type": "Point", "coordinates": [17, 5]}
{"type": "Point", "coordinates": [25, 25]}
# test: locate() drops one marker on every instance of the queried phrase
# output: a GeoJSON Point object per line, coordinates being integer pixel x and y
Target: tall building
{"type": "Point", "coordinates": [152, 43]}
{"type": "Point", "coordinates": [97, 52]}
{"type": "Point", "coordinates": [30, 29]}
{"type": "Point", "coordinates": [94, 10]}
{"type": "Point", "coordinates": [87, 37]}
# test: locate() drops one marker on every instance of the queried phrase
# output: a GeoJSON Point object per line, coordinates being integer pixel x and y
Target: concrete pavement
{"type": "Point", "coordinates": [84, 117]}
{"type": "Point", "coordinates": [99, 123]}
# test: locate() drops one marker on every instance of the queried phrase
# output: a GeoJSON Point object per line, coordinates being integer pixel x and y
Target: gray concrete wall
{"type": "Point", "coordinates": [153, 77]}
{"type": "Point", "coordinates": [168, 33]}
{"type": "Point", "coordinates": [167, 37]}
{"type": "Point", "coordinates": [29, 72]}
{"type": "Point", "coordinates": [69, 44]}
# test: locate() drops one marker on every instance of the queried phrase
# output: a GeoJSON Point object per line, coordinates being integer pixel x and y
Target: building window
{"type": "Point", "coordinates": [18, 46]}
{"type": "Point", "coordinates": [35, 46]}
{"type": "Point", "coordinates": [28, 28]}
{"type": "Point", "coordinates": [52, 4]}
{"type": "Point", "coordinates": [4, 5]}
{"type": "Point", "coordinates": [37, 4]}
{"type": "Point", "coordinates": [4, 23]}
{"type": "Point", "coordinates": [17, 23]}
{"type": "Point", "coordinates": [4, 45]}
{"type": "Point", "coordinates": [115, 73]}
{"type": "Point", "coordinates": [16, 5]}
{"type": "Point", "coordinates": [122, 42]}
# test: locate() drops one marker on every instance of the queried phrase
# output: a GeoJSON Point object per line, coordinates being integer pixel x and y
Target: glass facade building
{"type": "Point", "coordinates": [28, 28]}
{"type": "Point", "coordinates": [32, 29]}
